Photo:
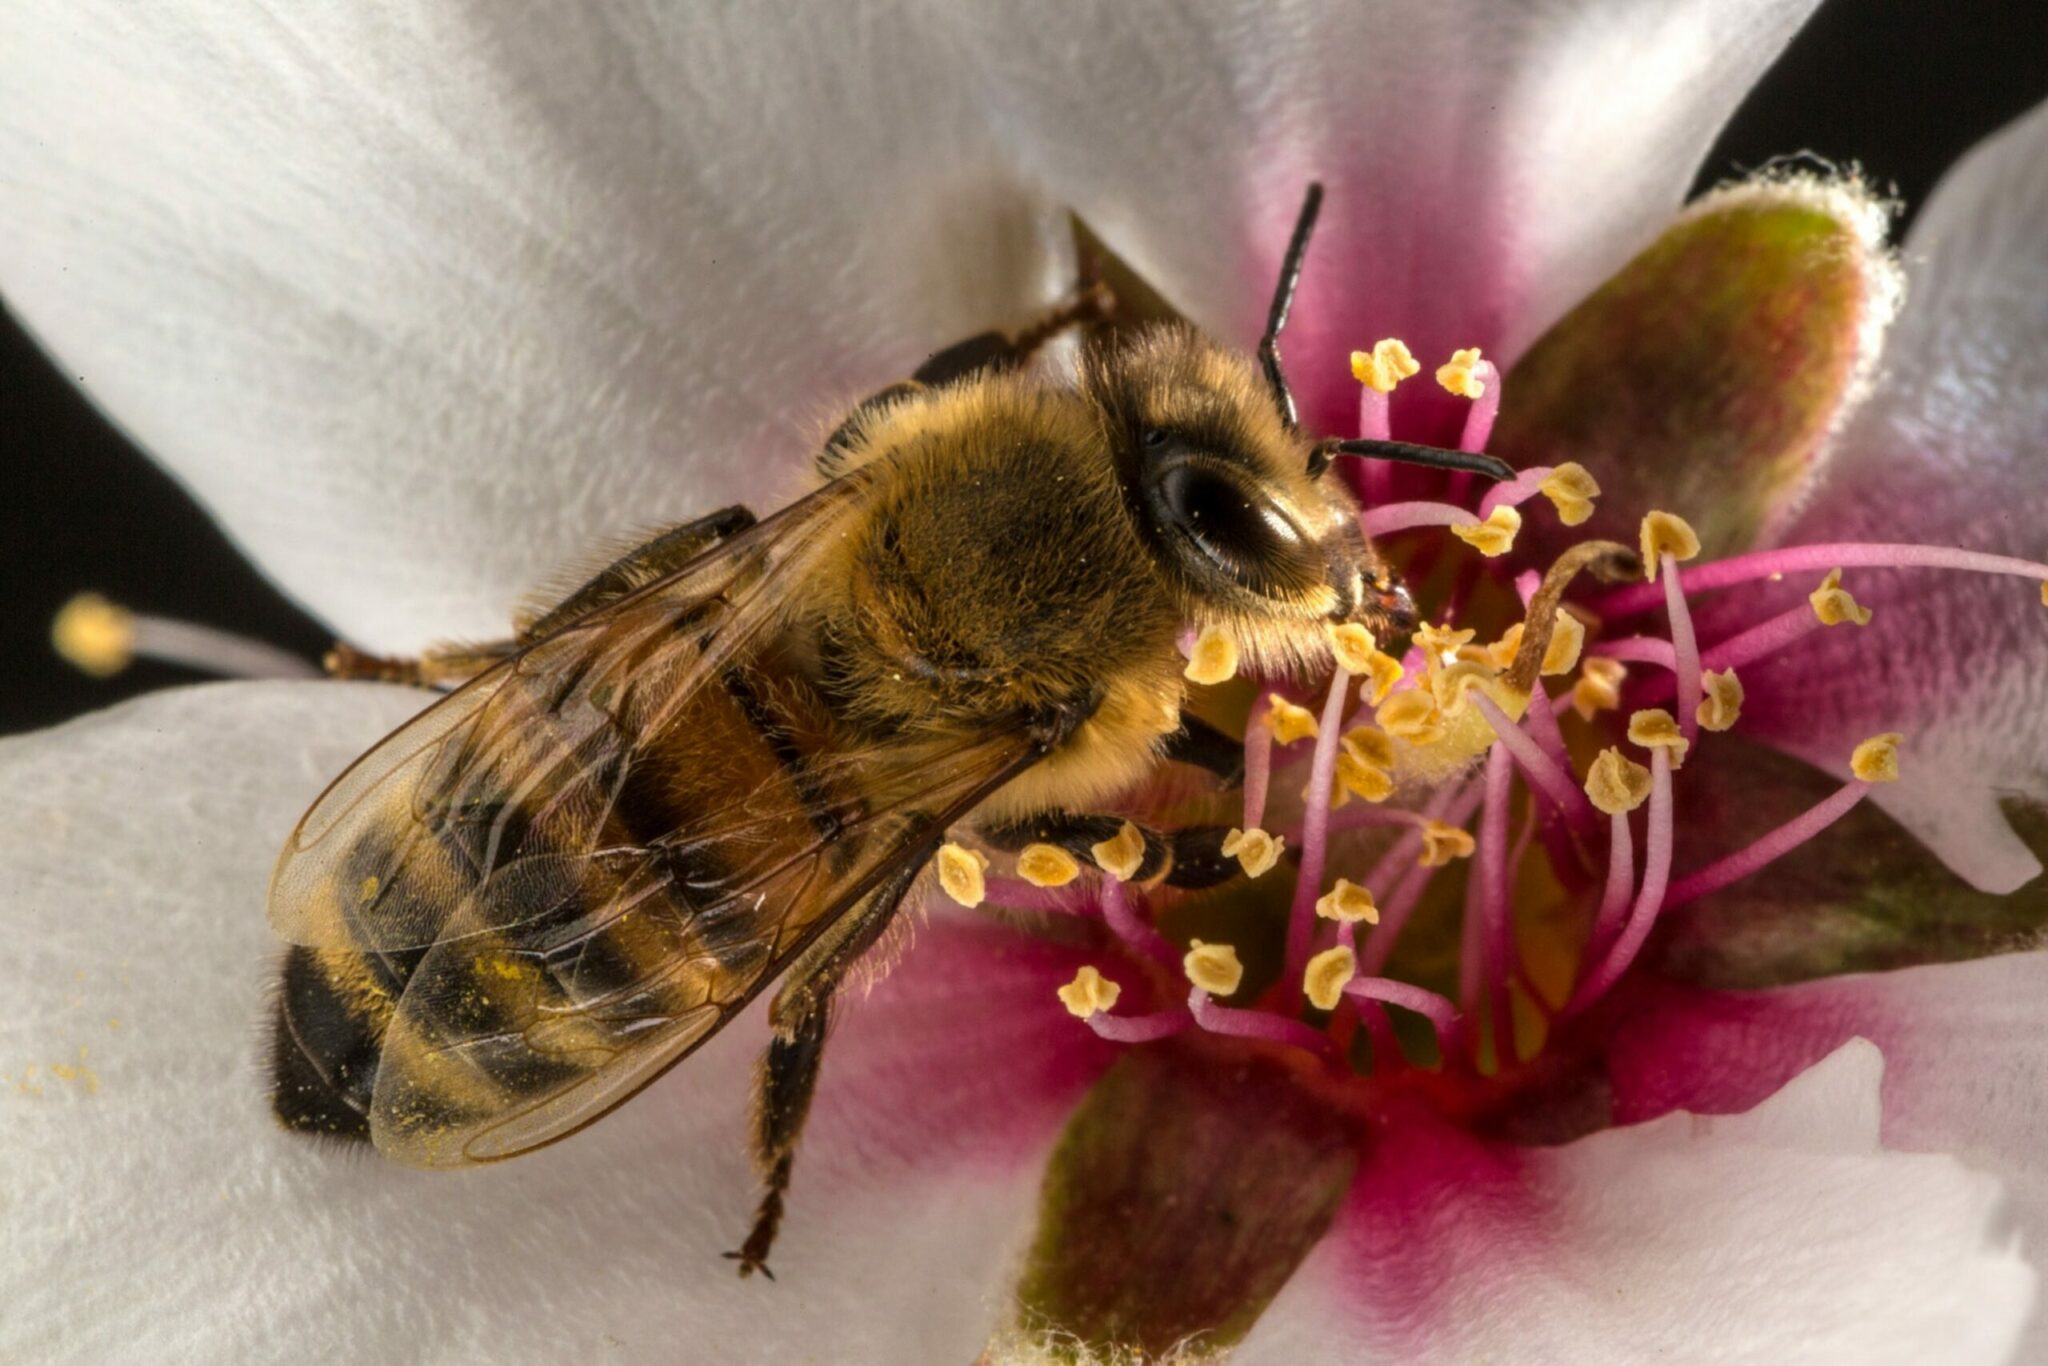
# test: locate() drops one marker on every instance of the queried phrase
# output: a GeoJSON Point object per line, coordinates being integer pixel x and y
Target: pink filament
{"type": "Point", "coordinates": [1374, 424]}
{"type": "Point", "coordinates": [1437, 1009]}
{"type": "Point", "coordinates": [1497, 925]}
{"type": "Point", "coordinates": [1685, 648]}
{"type": "Point", "coordinates": [1140, 1028]}
{"type": "Point", "coordinates": [1515, 492]}
{"type": "Point", "coordinates": [1540, 720]}
{"type": "Point", "coordinates": [1745, 647]}
{"type": "Point", "coordinates": [1453, 806]}
{"type": "Point", "coordinates": [1771, 847]}
{"type": "Point", "coordinates": [1388, 518]}
{"type": "Point", "coordinates": [1479, 417]}
{"type": "Point", "coordinates": [1621, 877]}
{"type": "Point", "coordinates": [1258, 762]}
{"type": "Point", "coordinates": [1656, 876]}
{"type": "Point", "coordinates": [214, 651]}
{"type": "Point", "coordinates": [1540, 769]}
{"type": "Point", "coordinates": [1128, 926]}
{"type": "Point", "coordinates": [1638, 649]}
{"type": "Point", "coordinates": [1835, 555]}
{"type": "Point", "coordinates": [1257, 1024]}
{"type": "Point", "coordinates": [1315, 829]}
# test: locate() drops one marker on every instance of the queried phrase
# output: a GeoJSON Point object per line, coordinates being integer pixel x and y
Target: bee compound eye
{"type": "Point", "coordinates": [1154, 438]}
{"type": "Point", "coordinates": [1234, 528]}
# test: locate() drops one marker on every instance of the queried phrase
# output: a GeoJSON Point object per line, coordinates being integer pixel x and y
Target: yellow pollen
{"type": "Point", "coordinates": [1375, 747]}
{"type": "Point", "coordinates": [960, 870]}
{"type": "Point", "coordinates": [1047, 865]}
{"type": "Point", "coordinates": [1386, 365]}
{"type": "Point", "coordinates": [1572, 491]}
{"type": "Point", "coordinates": [1213, 967]}
{"type": "Point", "coordinates": [1090, 993]}
{"type": "Point", "coordinates": [1664, 534]}
{"type": "Point", "coordinates": [1357, 773]}
{"type": "Point", "coordinates": [1493, 537]}
{"type": "Point", "coordinates": [1617, 783]}
{"type": "Point", "coordinates": [1567, 642]}
{"type": "Point", "coordinates": [1214, 658]}
{"type": "Point", "coordinates": [1323, 982]}
{"type": "Point", "coordinates": [1460, 374]}
{"type": "Point", "coordinates": [93, 635]}
{"type": "Point", "coordinates": [1289, 722]}
{"type": "Point", "coordinates": [1655, 728]}
{"type": "Point", "coordinates": [1722, 706]}
{"type": "Point", "coordinates": [1348, 902]}
{"type": "Point", "coordinates": [1876, 760]}
{"type": "Point", "coordinates": [1254, 849]}
{"type": "Point", "coordinates": [2044, 592]}
{"type": "Point", "coordinates": [1412, 716]}
{"type": "Point", "coordinates": [1501, 653]}
{"type": "Point", "coordinates": [1353, 645]}
{"type": "Point", "coordinates": [1598, 687]}
{"type": "Point", "coordinates": [1441, 843]}
{"type": "Point", "coordinates": [1383, 671]}
{"type": "Point", "coordinates": [1121, 854]}
{"type": "Point", "coordinates": [1440, 644]}
{"type": "Point", "coordinates": [1453, 681]}
{"type": "Point", "coordinates": [1833, 605]}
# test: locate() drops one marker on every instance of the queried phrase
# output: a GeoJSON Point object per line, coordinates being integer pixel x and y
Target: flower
{"type": "Point", "coordinates": [458, 279]}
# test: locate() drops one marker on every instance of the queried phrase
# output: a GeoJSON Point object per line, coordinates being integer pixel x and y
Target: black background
{"type": "Point", "coordinates": [1901, 86]}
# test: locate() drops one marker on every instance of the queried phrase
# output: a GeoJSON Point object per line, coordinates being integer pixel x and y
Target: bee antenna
{"type": "Point", "coordinates": [1408, 453]}
{"type": "Point", "coordinates": [1283, 300]}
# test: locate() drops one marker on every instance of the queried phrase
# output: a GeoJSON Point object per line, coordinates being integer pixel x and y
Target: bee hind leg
{"type": "Point", "coordinates": [800, 1016]}
{"type": "Point", "coordinates": [1190, 857]}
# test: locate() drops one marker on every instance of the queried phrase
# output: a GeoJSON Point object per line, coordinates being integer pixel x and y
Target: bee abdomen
{"type": "Point", "coordinates": [332, 1010]}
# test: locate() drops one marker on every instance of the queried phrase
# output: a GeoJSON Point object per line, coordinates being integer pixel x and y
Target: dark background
{"type": "Point", "coordinates": [1901, 86]}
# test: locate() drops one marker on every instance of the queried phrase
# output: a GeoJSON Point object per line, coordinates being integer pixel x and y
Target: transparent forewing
{"type": "Point", "coordinates": [511, 1035]}
{"type": "Point", "coordinates": [529, 758]}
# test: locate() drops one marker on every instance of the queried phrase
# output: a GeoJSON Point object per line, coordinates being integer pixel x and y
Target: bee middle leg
{"type": "Point", "coordinates": [800, 1016]}
{"type": "Point", "coordinates": [445, 666]}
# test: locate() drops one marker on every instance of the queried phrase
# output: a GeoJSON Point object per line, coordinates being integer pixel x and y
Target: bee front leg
{"type": "Point", "coordinates": [800, 1016]}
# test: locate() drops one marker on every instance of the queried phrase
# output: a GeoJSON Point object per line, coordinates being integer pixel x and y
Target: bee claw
{"type": "Point", "coordinates": [749, 1264]}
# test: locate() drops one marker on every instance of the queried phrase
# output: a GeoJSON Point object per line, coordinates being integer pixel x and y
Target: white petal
{"type": "Point", "coordinates": [1951, 450]}
{"type": "Point", "coordinates": [422, 299]}
{"type": "Point", "coordinates": [153, 1212]}
{"type": "Point", "coordinates": [1487, 164]}
{"type": "Point", "coordinates": [1782, 1234]}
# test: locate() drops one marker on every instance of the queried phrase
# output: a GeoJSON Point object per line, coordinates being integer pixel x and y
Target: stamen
{"type": "Point", "coordinates": [1047, 865]}
{"type": "Point", "coordinates": [102, 638]}
{"type": "Point", "coordinates": [960, 870]}
{"type": "Point", "coordinates": [1833, 605]}
{"type": "Point", "coordinates": [1462, 375]}
{"type": "Point", "coordinates": [1348, 903]}
{"type": "Point", "coordinates": [1763, 564]}
{"type": "Point", "coordinates": [1128, 926]}
{"type": "Point", "coordinates": [1440, 644]}
{"type": "Point", "coordinates": [1213, 967]}
{"type": "Point", "coordinates": [1386, 365]}
{"type": "Point", "coordinates": [1655, 728]}
{"type": "Point", "coordinates": [1572, 491]}
{"type": "Point", "coordinates": [1617, 785]}
{"type": "Point", "coordinates": [1598, 687]}
{"type": "Point", "coordinates": [1213, 659]}
{"type": "Point", "coordinates": [1383, 671]}
{"type": "Point", "coordinates": [1254, 849]}
{"type": "Point", "coordinates": [1479, 418]}
{"type": "Point", "coordinates": [1258, 763]}
{"type": "Point", "coordinates": [1122, 854]}
{"type": "Point", "coordinates": [1387, 518]}
{"type": "Point", "coordinates": [1876, 760]}
{"type": "Point", "coordinates": [1374, 747]}
{"type": "Point", "coordinates": [1326, 975]}
{"type": "Point", "coordinates": [1315, 824]}
{"type": "Point", "coordinates": [1656, 877]}
{"type": "Point", "coordinates": [1543, 773]}
{"type": "Point", "coordinates": [1567, 643]}
{"type": "Point", "coordinates": [1438, 1010]}
{"type": "Point", "coordinates": [1140, 1028]}
{"type": "Point", "coordinates": [1353, 647]}
{"type": "Point", "coordinates": [1257, 1024]}
{"type": "Point", "coordinates": [1497, 933]}
{"type": "Point", "coordinates": [1640, 650]}
{"type": "Point", "coordinates": [1090, 993]}
{"type": "Point", "coordinates": [1685, 645]}
{"type": "Point", "coordinates": [1722, 706]}
{"type": "Point", "coordinates": [1358, 775]}
{"type": "Point", "coordinates": [1495, 536]}
{"type": "Point", "coordinates": [1442, 843]}
{"type": "Point", "coordinates": [1666, 534]}
{"type": "Point", "coordinates": [1446, 811]}
{"type": "Point", "coordinates": [1289, 722]}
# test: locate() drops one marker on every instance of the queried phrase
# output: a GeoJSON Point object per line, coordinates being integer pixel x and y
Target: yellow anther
{"type": "Point", "coordinates": [1348, 902]}
{"type": "Point", "coordinates": [1493, 537]}
{"type": "Point", "coordinates": [1833, 605]}
{"type": "Point", "coordinates": [1617, 783]}
{"type": "Point", "coordinates": [1412, 716]}
{"type": "Point", "coordinates": [960, 870]}
{"type": "Point", "coordinates": [1572, 491]}
{"type": "Point", "coordinates": [93, 635]}
{"type": "Point", "coordinates": [1460, 374]}
{"type": "Point", "coordinates": [1254, 849]}
{"type": "Point", "coordinates": [2044, 592]}
{"type": "Point", "coordinates": [1441, 843]}
{"type": "Point", "coordinates": [1386, 365]}
{"type": "Point", "coordinates": [1598, 687]}
{"type": "Point", "coordinates": [1356, 773]}
{"type": "Point", "coordinates": [1353, 645]}
{"type": "Point", "coordinates": [1567, 642]}
{"type": "Point", "coordinates": [1474, 654]}
{"type": "Point", "coordinates": [1373, 746]}
{"type": "Point", "coordinates": [1090, 993]}
{"type": "Point", "coordinates": [1383, 671]}
{"type": "Point", "coordinates": [1876, 760]}
{"type": "Point", "coordinates": [1722, 706]}
{"type": "Point", "coordinates": [1121, 854]}
{"type": "Point", "coordinates": [1655, 728]}
{"type": "Point", "coordinates": [1664, 534]}
{"type": "Point", "coordinates": [1440, 644]}
{"type": "Point", "coordinates": [1289, 722]}
{"type": "Point", "coordinates": [1212, 967]}
{"type": "Point", "coordinates": [1501, 653]}
{"type": "Point", "coordinates": [1323, 982]}
{"type": "Point", "coordinates": [1450, 683]}
{"type": "Point", "coordinates": [1047, 865]}
{"type": "Point", "coordinates": [1213, 659]}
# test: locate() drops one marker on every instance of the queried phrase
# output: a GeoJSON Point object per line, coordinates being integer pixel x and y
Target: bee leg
{"type": "Point", "coordinates": [1201, 744]}
{"type": "Point", "coordinates": [789, 1070]}
{"type": "Point", "coordinates": [445, 666]}
{"type": "Point", "coordinates": [1189, 857]}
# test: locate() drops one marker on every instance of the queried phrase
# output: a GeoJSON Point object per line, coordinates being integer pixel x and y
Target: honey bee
{"type": "Point", "coordinates": [727, 759]}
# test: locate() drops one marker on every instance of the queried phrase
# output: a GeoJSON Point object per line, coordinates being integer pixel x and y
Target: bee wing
{"type": "Point", "coordinates": [510, 1036]}
{"type": "Point", "coordinates": [449, 809]}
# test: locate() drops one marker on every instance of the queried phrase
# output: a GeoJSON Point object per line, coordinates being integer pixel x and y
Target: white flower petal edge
{"type": "Point", "coordinates": [1487, 164]}
{"type": "Point", "coordinates": [419, 301]}
{"type": "Point", "coordinates": [153, 1211]}
{"type": "Point", "coordinates": [1952, 449]}
{"type": "Point", "coordinates": [1781, 1234]}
